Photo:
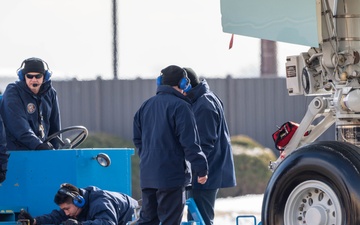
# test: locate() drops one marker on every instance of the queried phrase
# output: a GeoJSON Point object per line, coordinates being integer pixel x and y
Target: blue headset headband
{"type": "Point", "coordinates": [21, 75]}
{"type": "Point", "coordinates": [184, 83]}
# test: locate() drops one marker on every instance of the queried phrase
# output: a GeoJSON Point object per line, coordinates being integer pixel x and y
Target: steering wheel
{"type": "Point", "coordinates": [75, 135]}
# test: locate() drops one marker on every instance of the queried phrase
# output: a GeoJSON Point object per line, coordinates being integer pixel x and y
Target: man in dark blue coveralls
{"type": "Point", "coordinates": [3, 152]}
{"type": "Point", "coordinates": [166, 138]}
{"type": "Point", "coordinates": [87, 206]}
{"type": "Point", "coordinates": [215, 143]}
{"type": "Point", "coordinates": [30, 108]}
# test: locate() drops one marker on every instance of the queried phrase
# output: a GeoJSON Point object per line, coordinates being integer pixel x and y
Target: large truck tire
{"type": "Point", "coordinates": [319, 184]}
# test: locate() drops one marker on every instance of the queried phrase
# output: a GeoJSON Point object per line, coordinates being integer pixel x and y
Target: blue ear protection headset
{"type": "Point", "coordinates": [78, 200]}
{"type": "Point", "coordinates": [21, 75]}
{"type": "Point", "coordinates": [184, 83]}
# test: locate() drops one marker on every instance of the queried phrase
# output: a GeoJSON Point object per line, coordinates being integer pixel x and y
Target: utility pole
{"type": "Point", "coordinates": [268, 58]}
{"type": "Point", "coordinates": [115, 42]}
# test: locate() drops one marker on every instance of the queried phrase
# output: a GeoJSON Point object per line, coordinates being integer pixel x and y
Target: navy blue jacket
{"type": "Point", "coordinates": [22, 112]}
{"type": "Point", "coordinates": [101, 207]}
{"type": "Point", "coordinates": [167, 139]}
{"type": "Point", "coordinates": [3, 151]}
{"type": "Point", "coordinates": [214, 137]}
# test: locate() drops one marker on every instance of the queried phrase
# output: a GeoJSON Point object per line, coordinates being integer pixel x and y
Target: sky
{"type": "Point", "coordinates": [75, 38]}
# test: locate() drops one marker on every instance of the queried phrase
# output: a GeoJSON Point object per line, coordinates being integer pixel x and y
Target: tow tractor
{"type": "Point", "coordinates": [34, 177]}
{"type": "Point", "coordinates": [318, 182]}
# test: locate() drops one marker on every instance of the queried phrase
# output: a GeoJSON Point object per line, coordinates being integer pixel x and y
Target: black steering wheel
{"type": "Point", "coordinates": [69, 138]}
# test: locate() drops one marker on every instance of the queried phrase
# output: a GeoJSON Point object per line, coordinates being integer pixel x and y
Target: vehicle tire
{"type": "Point", "coordinates": [319, 184]}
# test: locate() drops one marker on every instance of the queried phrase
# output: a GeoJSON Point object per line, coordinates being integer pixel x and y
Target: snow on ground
{"type": "Point", "coordinates": [228, 209]}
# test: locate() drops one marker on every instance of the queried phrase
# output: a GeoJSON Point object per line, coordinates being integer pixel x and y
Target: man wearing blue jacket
{"type": "Point", "coordinates": [30, 108]}
{"type": "Point", "coordinates": [215, 143]}
{"type": "Point", "coordinates": [166, 139]}
{"type": "Point", "coordinates": [87, 206]}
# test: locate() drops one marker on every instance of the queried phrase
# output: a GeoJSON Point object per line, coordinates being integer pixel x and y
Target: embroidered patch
{"type": "Point", "coordinates": [31, 108]}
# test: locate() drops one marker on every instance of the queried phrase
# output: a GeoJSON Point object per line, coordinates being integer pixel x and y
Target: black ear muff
{"type": "Point", "coordinates": [21, 74]}
{"type": "Point", "coordinates": [78, 200]}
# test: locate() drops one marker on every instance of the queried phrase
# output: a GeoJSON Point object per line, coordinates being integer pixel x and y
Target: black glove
{"type": "Point", "coordinates": [23, 215]}
{"type": "Point", "coordinates": [2, 175]}
{"type": "Point", "coordinates": [44, 146]}
{"type": "Point", "coordinates": [71, 222]}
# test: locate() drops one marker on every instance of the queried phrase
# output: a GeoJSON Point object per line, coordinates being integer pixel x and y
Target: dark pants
{"type": "Point", "coordinates": [162, 205]}
{"type": "Point", "coordinates": [205, 201]}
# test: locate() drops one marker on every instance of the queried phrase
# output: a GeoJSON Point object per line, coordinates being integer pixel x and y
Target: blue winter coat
{"type": "Point", "coordinates": [214, 137]}
{"type": "Point", "coordinates": [22, 112]}
{"type": "Point", "coordinates": [101, 207]}
{"type": "Point", "coordinates": [166, 138]}
{"type": "Point", "coordinates": [3, 150]}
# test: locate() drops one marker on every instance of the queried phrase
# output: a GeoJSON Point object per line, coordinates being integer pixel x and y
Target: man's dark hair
{"type": "Point", "coordinates": [65, 193]}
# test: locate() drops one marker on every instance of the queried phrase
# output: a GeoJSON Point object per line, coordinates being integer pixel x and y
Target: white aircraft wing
{"type": "Point", "coordinates": [290, 21]}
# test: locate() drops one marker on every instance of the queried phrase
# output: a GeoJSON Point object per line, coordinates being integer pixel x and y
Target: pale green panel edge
{"type": "Point", "coordinates": [290, 21]}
